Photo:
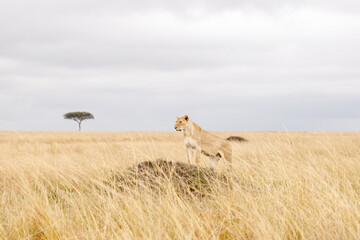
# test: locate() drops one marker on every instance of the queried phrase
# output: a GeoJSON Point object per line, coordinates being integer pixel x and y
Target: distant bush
{"type": "Point", "coordinates": [236, 139]}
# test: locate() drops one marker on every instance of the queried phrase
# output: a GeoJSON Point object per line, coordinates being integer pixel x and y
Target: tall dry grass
{"type": "Point", "coordinates": [290, 186]}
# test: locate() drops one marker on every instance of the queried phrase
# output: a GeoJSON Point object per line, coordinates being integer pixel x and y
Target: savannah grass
{"type": "Point", "coordinates": [289, 185]}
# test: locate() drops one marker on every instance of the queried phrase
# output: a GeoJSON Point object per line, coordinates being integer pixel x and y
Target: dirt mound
{"type": "Point", "coordinates": [157, 175]}
{"type": "Point", "coordinates": [236, 139]}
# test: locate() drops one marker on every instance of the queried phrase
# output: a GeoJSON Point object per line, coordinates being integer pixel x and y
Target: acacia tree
{"type": "Point", "coordinates": [78, 117]}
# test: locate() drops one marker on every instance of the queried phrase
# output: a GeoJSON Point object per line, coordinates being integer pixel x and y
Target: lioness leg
{"type": "Point", "coordinates": [214, 161]}
{"type": "Point", "coordinates": [228, 158]}
{"type": "Point", "coordinates": [190, 155]}
{"type": "Point", "coordinates": [196, 157]}
{"type": "Point", "coordinates": [187, 155]}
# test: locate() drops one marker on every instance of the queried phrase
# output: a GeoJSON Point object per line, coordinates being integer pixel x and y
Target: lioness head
{"type": "Point", "coordinates": [181, 123]}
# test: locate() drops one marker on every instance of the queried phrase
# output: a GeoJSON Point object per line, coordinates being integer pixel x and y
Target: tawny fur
{"type": "Point", "coordinates": [199, 141]}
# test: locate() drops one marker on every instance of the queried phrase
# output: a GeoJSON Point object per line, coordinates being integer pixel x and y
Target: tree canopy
{"type": "Point", "coordinates": [78, 117]}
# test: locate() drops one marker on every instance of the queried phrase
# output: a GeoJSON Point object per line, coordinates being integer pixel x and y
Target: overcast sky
{"type": "Point", "coordinates": [231, 65]}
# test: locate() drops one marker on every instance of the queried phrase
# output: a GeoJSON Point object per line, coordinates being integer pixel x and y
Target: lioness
{"type": "Point", "coordinates": [198, 141]}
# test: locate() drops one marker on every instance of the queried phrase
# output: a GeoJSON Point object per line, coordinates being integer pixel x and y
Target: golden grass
{"type": "Point", "coordinates": [290, 186]}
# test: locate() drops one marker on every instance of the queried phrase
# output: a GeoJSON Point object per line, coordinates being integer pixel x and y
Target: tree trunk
{"type": "Point", "coordinates": [79, 126]}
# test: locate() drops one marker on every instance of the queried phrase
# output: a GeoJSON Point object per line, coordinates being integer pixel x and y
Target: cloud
{"type": "Point", "coordinates": [137, 64]}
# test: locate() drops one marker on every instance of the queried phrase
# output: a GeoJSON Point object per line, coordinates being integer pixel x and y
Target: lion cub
{"type": "Point", "coordinates": [198, 141]}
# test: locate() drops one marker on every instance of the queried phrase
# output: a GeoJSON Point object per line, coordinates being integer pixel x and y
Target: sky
{"type": "Point", "coordinates": [229, 65]}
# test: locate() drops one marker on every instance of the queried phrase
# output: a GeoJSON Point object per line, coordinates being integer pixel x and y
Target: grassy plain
{"type": "Point", "coordinates": [291, 185]}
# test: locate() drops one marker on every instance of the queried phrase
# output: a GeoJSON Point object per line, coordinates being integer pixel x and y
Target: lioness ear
{"type": "Point", "coordinates": [177, 117]}
{"type": "Point", "coordinates": [186, 117]}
